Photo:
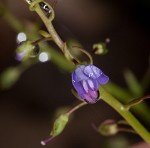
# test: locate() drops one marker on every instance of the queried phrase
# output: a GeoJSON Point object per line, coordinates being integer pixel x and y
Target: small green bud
{"type": "Point", "coordinates": [108, 128]}
{"type": "Point", "coordinates": [59, 125]}
{"type": "Point", "coordinates": [100, 48]}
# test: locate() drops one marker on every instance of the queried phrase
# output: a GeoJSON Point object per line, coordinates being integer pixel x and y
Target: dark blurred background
{"type": "Point", "coordinates": [26, 110]}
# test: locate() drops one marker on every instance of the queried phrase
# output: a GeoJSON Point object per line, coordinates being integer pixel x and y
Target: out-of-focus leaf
{"type": "Point", "coordinates": [9, 77]}
{"type": "Point", "coordinates": [133, 84]}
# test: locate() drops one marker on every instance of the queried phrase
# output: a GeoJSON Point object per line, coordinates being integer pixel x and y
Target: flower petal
{"type": "Point", "coordinates": [79, 75]}
{"type": "Point", "coordinates": [103, 79]}
{"type": "Point", "coordinates": [88, 98]}
{"type": "Point", "coordinates": [93, 84]}
{"type": "Point", "coordinates": [79, 88]}
{"type": "Point", "coordinates": [91, 96]}
{"type": "Point", "coordinates": [94, 95]}
{"type": "Point", "coordinates": [85, 86]}
{"type": "Point", "coordinates": [74, 77]}
{"type": "Point", "coordinates": [92, 71]}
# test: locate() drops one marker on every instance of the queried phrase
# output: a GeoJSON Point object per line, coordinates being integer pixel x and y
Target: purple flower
{"type": "Point", "coordinates": [86, 80]}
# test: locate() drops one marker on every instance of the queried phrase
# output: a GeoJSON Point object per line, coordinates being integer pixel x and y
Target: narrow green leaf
{"type": "Point", "coordinates": [133, 84]}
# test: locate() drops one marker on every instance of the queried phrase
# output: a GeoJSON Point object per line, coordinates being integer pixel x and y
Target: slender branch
{"type": "Point", "coordinates": [86, 53]}
{"type": "Point", "coordinates": [136, 101]}
{"type": "Point", "coordinates": [126, 130]}
{"type": "Point", "coordinates": [75, 108]}
{"type": "Point", "coordinates": [41, 40]}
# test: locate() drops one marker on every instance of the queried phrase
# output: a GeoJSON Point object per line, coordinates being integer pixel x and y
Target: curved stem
{"type": "Point", "coordinates": [135, 102]}
{"type": "Point", "coordinates": [75, 108]}
{"type": "Point", "coordinates": [86, 53]}
{"type": "Point", "coordinates": [126, 130]}
{"type": "Point", "coordinates": [41, 40]}
{"type": "Point", "coordinates": [56, 38]}
{"type": "Point", "coordinates": [127, 115]}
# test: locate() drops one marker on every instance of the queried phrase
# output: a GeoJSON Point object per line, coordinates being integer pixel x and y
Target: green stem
{"type": "Point", "coordinates": [127, 115]}
{"type": "Point", "coordinates": [50, 28]}
{"type": "Point", "coordinates": [123, 95]}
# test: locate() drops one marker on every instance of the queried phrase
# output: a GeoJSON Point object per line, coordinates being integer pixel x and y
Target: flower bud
{"type": "Point", "coordinates": [108, 128]}
{"type": "Point", "coordinates": [100, 49]}
{"type": "Point", "coordinates": [26, 50]}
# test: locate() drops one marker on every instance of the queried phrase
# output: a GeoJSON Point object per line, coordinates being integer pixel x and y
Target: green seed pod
{"type": "Point", "coordinates": [59, 125]}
